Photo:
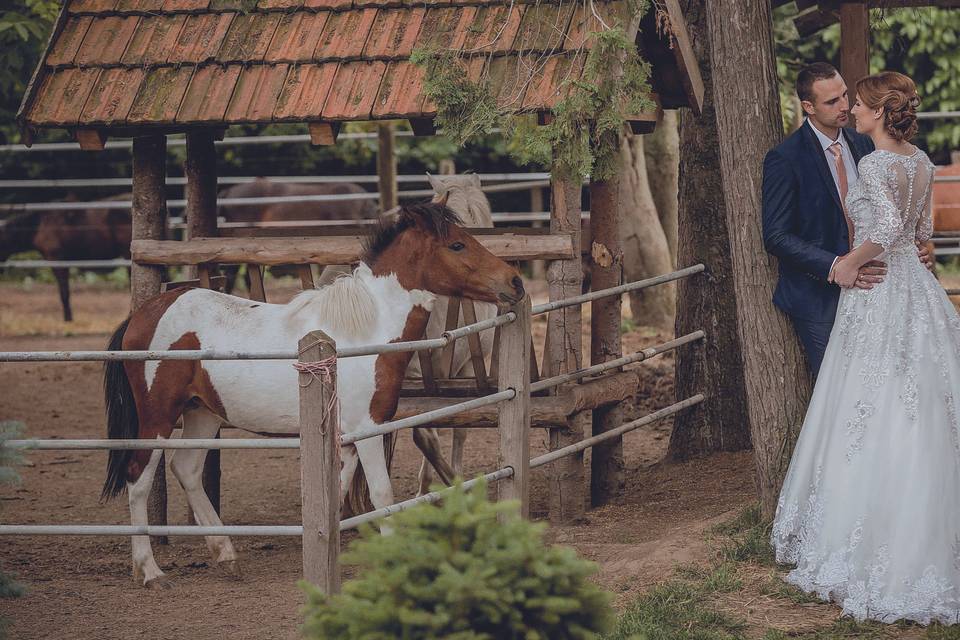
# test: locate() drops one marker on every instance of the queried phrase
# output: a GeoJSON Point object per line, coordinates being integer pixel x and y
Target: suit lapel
{"type": "Point", "coordinates": [813, 146]}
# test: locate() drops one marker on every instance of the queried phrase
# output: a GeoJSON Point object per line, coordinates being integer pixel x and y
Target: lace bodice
{"type": "Point", "coordinates": [890, 203]}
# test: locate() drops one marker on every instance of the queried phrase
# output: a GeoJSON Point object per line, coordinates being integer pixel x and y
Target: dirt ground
{"type": "Point", "coordinates": [81, 587]}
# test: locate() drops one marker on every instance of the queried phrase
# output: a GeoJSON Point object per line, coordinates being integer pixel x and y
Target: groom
{"type": "Point", "coordinates": [805, 181]}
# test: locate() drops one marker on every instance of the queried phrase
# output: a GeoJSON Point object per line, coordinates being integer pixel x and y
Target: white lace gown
{"type": "Point", "coordinates": [870, 509]}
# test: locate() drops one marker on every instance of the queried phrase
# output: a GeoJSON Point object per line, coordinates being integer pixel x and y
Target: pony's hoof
{"type": "Point", "coordinates": [230, 569]}
{"type": "Point", "coordinates": [160, 582]}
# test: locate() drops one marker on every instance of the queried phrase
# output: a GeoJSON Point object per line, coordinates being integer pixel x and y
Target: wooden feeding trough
{"type": "Point", "coordinates": [148, 68]}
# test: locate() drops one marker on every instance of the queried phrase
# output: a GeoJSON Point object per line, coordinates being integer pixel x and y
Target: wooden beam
{"type": "Point", "coordinates": [854, 43]}
{"type": "Point", "coordinates": [644, 123]}
{"type": "Point", "coordinates": [149, 222]}
{"type": "Point", "coordinates": [324, 133]}
{"type": "Point", "coordinates": [687, 63]}
{"type": "Point", "coordinates": [514, 416]}
{"type": "Point", "coordinates": [386, 167]}
{"type": "Point", "coordinates": [423, 126]}
{"type": "Point", "coordinates": [812, 21]}
{"type": "Point", "coordinates": [328, 250]}
{"type": "Point", "coordinates": [91, 139]}
{"type": "Point", "coordinates": [544, 118]}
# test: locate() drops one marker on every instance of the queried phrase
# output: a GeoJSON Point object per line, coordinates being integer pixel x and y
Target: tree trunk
{"type": "Point", "coordinates": [713, 367]}
{"type": "Point", "coordinates": [661, 150]}
{"type": "Point", "coordinates": [748, 124]}
{"type": "Point", "coordinates": [645, 249]}
{"type": "Point", "coordinates": [606, 464]}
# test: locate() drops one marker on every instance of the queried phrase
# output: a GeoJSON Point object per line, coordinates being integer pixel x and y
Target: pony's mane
{"type": "Point", "coordinates": [346, 306]}
{"type": "Point", "coordinates": [435, 217]}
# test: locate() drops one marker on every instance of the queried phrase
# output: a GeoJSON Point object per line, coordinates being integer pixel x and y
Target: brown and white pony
{"type": "Point", "coordinates": [464, 195]}
{"type": "Point", "coordinates": [388, 298]}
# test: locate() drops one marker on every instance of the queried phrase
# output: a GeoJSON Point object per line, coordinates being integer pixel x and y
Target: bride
{"type": "Point", "coordinates": [870, 508]}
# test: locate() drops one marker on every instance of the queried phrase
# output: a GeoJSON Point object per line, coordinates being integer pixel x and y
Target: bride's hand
{"type": "Point", "coordinates": [845, 274]}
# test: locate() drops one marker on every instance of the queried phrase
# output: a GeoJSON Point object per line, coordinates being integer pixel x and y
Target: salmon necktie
{"type": "Point", "coordinates": [842, 184]}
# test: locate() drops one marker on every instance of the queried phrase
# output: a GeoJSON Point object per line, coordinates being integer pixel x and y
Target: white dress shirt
{"type": "Point", "coordinates": [848, 163]}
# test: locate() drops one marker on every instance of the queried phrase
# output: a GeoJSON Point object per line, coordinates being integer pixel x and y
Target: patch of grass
{"type": "Point", "coordinates": [777, 588]}
{"type": "Point", "coordinates": [842, 629]}
{"type": "Point", "coordinates": [941, 632]}
{"type": "Point", "coordinates": [676, 609]}
{"type": "Point", "coordinates": [746, 538]}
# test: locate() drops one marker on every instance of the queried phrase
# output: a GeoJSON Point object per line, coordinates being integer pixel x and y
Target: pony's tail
{"type": "Point", "coordinates": [122, 420]}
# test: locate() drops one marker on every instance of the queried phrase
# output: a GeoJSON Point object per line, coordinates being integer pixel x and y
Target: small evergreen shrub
{"type": "Point", "coordinates": [456, 572]}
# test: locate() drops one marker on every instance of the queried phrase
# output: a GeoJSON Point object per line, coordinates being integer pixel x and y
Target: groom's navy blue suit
{"type": "Point", "coordinates": [804, 227]}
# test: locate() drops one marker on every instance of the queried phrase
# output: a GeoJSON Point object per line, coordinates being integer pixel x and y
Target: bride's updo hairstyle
{"type": "Point", "coordinates": [896, 94]}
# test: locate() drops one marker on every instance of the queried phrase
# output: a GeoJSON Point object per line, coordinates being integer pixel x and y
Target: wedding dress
{"type": "Point", "coordinates": [870, 508]}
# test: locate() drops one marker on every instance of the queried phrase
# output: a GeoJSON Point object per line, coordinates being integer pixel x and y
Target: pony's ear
{"type": "Point", "coordinates": [475, 179]}
{"type": "Point", "coordinates": [435, 184]}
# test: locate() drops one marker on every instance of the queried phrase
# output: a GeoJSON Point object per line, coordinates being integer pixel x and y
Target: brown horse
{"type": "Point", "coordinates": [88, 234]}
{"type": "Point", "coordinates": [287, 211]}
{"type": "Point", "coordinates": [407, 264]}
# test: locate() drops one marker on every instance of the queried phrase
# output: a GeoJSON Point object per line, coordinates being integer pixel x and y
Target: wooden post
{"type": "Point", "coordinates": [538, 268]}
{"type": "Point", "coordinates": [386, 167]}
{"type": "Point", "coordinates": [854, 43]}
{"type": "Point", "coordinates": [606, 469]}
{"type": "Point", "coordinates": [200, 169]}
{"type": "Point", "coordinates": [514, 414]}
{"type": "Point", "coordinates": [320, 462]}
{"type": "Point", "coordinates": [563, 352]}
{"type": "Point", "coordinates": [148, 220]}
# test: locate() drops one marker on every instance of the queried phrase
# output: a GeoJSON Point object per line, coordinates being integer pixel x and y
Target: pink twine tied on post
{"type": "Point", "coordinates": [321, 371]}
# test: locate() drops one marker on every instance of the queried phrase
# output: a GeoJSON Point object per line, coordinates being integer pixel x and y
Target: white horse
{"type": "Point", "coordinates": [388, 298]}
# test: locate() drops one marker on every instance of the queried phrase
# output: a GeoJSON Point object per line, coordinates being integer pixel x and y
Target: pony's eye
{"type": "Point", "coordinates": [457, 246]}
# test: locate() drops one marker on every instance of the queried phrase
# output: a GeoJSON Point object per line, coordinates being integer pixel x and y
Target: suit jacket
{"type": "Point", "coordinates": [803, 223]}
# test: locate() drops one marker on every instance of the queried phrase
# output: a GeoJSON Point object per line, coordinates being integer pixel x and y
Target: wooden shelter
{"type": "Point", "coordinates": [148, 68]}
{"type": "Point", "coordinates": [854, 19]}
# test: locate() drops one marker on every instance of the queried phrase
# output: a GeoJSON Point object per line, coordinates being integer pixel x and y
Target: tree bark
{"type": "Point", "coordinates": [713, 367]}
{"type": "Point", "coordinates": [645, 249]}
{"type": "Point", "coordinates": [748, 124]}
{"type": "Point", "coordinates": [662, 152]}
{"type": "Point", "coordinates": [606, 464]}
{"type": "Point", "coordinates": [564, 353]}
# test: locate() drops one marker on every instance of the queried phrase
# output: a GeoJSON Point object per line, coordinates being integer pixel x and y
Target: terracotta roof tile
{"type": "Point", "coordinates": [327, 4]}
{"type": "Point", "coordinates": [93, 6]}
{"type": "Point", "coordinates": [401, 91]}
{"type": "Point", "coordinates": [296, 37]}
{"type": "Point", "coordinates": [552, 84]}
{"type": "Point", "coordinates": [279, 4]}
{"type": "Point", "coordinates": [248, 37]}
{"type": "Point", "coordinates": [112, 95]}
{"type": "Point", "coordinates": [394, 33]}
{"type": "Point", "coordinates": [345, 34]}
{"type": "Point", "coordinates": [440, 25]}
{"type": "Point", "coordinates": [147, 6]}
{"type": "Point", "coordinates": [209, 93]}
{"type": "Point", "coordinates": [354, 90]}
{"type": "Point", "coordinates": [200, 38]}
{"type": "Point", "coordinates": [60, 99]}
{"type": "Point", "coordinates": [584, 22]}
{"type": "Point", "coordinates": [154, 39]}
{"type": "Point", "coordinates": [509, 77]}
{"type": "Point", "coordinates": [305, 91]}
{"type": "Point", "coordinates": [185, 5]}
{"type": "Point", "coordinates": [230, 5]}
{"type": "Point", "coordinates": [543, 27]}
{"type": "Point", "coordinates": [69, 41]}
{"type": "Point", "coordinates": [493, 29]}
{"type": "Point", "coordinates": [160, 95]}
{"type": "Point", "coordinates": [106, 40]}
{"type": "Point", "coordinates": [256, 93]}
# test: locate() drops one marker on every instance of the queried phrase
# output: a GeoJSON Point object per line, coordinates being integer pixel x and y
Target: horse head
{"type": "Point", "coordinates": [463, 194]}
{"type": "Point", "coordinates": [427, 248]}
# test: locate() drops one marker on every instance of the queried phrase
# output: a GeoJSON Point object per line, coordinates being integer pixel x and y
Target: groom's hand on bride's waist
{"type": "Point", "coordinates": [923, 251]}
{"type": "Point", "coordinates": [868, 275]}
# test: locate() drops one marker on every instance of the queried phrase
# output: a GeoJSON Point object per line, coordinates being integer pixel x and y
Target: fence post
{"type": "Point", "coordinates": [514, 415]}
{"type": "Point", "coordinates": [320, 461]}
